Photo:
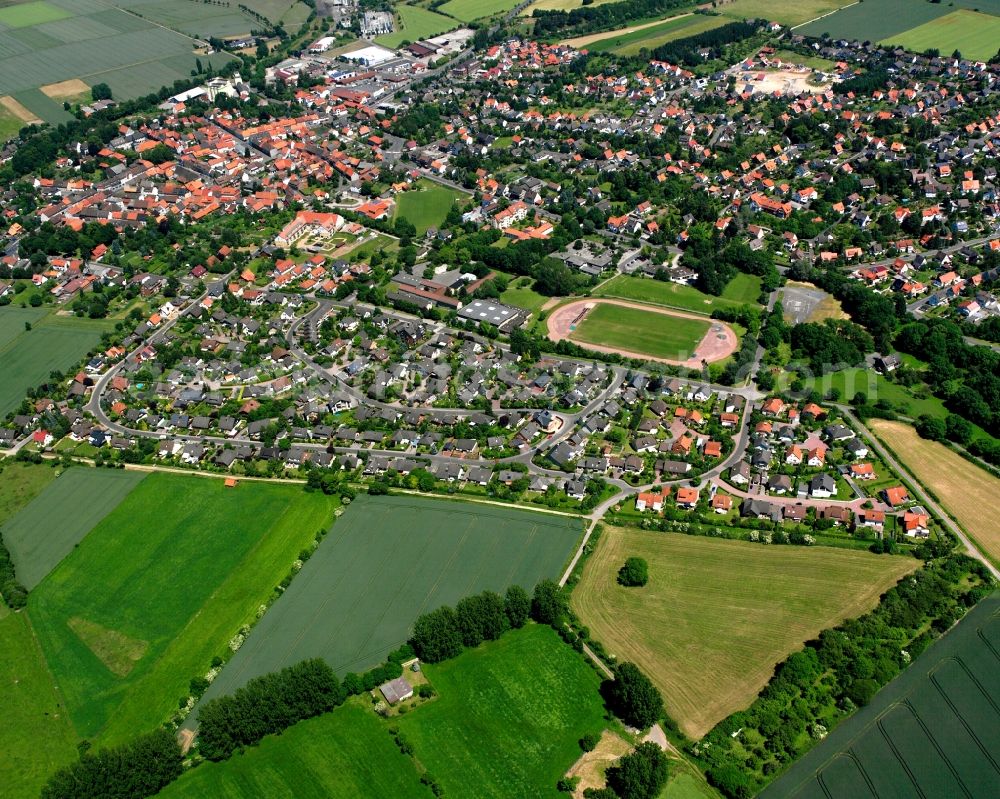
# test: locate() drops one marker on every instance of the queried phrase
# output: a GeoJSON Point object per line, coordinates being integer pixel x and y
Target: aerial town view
{"type": "Point", "coordinates": [500, 399]}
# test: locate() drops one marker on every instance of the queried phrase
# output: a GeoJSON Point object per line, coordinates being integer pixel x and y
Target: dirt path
{"type": "Point", "coordinates": [719, 342]}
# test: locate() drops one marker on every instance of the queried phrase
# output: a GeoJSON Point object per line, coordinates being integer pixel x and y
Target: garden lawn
{"type": "Point", "coordinates": [159, 587]}
{"type": "Point", "coordinates": [426, 207]}
{"type": "Point", "coordinates": [386, 561]}
{"type": "Point", "coordinates": [520, 294]}
{"type": "Point", "coordinates": [47, 529]}
{"type": "Point", "coordinates": [717, 615]}
{"type": "Point", "coordinates": [37, 736]}
{"type": "Point", "coordinates": [20, 483]}
{"type": "Point", "coordinates": [649, 332]}
{"type": "Point", "coordinates": [469, 10]}
{"type": "Point", "coordinates": [975, 35]}
{"type": "Point", "coordinates": [344, 754]}
{"type": "Point", "coordinates": [674, 295]}
{"type": "Point", "coordinates": [416, 23]}
{"type": "Point", "coordinates": [508, 717]}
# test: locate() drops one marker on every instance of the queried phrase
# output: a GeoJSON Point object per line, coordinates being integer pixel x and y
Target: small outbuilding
{"type": "Point", "coordinates": [396, 691]}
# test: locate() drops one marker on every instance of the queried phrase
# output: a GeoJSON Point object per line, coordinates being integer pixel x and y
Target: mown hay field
{"type": "Point", "coordinates": [973, 34]}
{"type": "Point", "coordinates": [716, 615]}
{"type": "Point", "coordinates": [966, 491]}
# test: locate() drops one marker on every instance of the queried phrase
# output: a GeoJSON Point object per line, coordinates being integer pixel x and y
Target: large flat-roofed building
{"type": "Point", "coordinates": [497, 314]}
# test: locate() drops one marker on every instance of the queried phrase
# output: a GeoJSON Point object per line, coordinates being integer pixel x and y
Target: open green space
{"type": "Point", "coordinates": [508, 717]}
{"type": "Point", "coordinates": [653, 333]}
{"type": "Point", "coordinates": [741, 289]}
{"type": "Point", "coordinates": [37, 738]}
{"type": "Point", "coordinates": [386, 561]}
{"type": "Point", "coordinates": [910, 401]}
{"type": "Point", "coordinates": [416, 23]}
{"type": "Point", "coordinates": [933, 731]}
{"type": "Point", "coordinates": [716, 615]}
{"type": "Point", "coordinates": [344, 754]}
{"type": "Point", "coordinates": [20, 483]}
{"type": "Point", "coordinates": [520, 294]}
{"type": "Point", "coordinates": [655, 35]}
{"type": "Point", "coordinates": [427, 206]}
{"type": "Point", "coordinates": [53, 523]}
{"type": "Point", "coordinates": [24, 15]}
{"type": "Point", "coordinates": [159, 587]}
{"type": "Point", "coordinates": [469, 10]}
{"type": "Point", "coordinates": [53, 344]}
{"type": "Point", "coordinates": [811, 61]}
{"type": "Point", "coordinates": [973, 34]}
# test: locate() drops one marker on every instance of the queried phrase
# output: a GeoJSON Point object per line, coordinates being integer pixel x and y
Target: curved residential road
{"type": "Point", "coordinates": [918, 489]}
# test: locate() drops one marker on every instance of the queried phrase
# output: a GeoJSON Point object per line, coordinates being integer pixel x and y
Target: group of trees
{"type": "Point", "coordinates": [589, 17]}
{"type": "Point", "coordinates": [632, 697]}
{"type": "Point", "coordinates": [844, 667]}
{"type": "Point", "coordinates": [634, 572]}
{"type": "Point", "coordinates": [266, 705]}
{"type": "Point", "coordinates": [641, 774]}
{"type": "Point", "coordinates": [830, 344]}
{"type": "Point", "coordinates": [444, 633]}
{"type": "Point", "coordinates": [687, 51]}
{"type": "Point", "coordinates": [136, 769]}
{"type": "Point", "coordinates": [14, 594]}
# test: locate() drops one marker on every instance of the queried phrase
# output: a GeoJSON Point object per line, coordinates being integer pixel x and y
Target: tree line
{"type": "Point", "coordinates": [266, 705]}
{"type": "Point", "coordinates": [136, 769]}
{"type": "Point", "coordinates": [590, 18]}
{"type": "Point", "coordinates": [14, 594]}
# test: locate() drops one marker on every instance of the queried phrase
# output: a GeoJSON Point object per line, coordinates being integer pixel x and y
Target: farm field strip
{"type": "Point", "coordinates": [677, 28]}
{"type": "Point", "coordinates": [966, 491]}
{"type": "Point", "coordinates": [873, 20]}
{"type": "Point", "coordinates": [934, 725]}
{"type": "Point", "coordinates": [37, 737]}
{"type": "Point", "coordinates": [470, 10]}
{"type": "Point", "coordinates": [416, 23]}
{"type": "Point", "coordinates": [358, 595]}
{"type": "Point", "coordinates": [166, 579]}
{"type": "Point", "coordinates": [975, 35]}
{"type": "Point", "coordinates": [794, 13]}
{"type": "Point", "coordinates": [20, 483]}
{"type": "Point", "coordinates": [718, 615]}
{"type": "Point", "coordinates": [53, 344]}
{"type": "Point", "coordinates": [47, 529]}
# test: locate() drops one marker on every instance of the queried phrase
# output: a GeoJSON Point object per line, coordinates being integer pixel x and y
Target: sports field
{"type": "Point", "coordinates": [974, 35]}
{"type": "Point", "coordinates": [386, 561]}
{"type": "Point", "coordinates": [677, 28]}
{"type": "Point", "coordinates": [341, 755]}
{"type": "Point", "coordinates": [967, 492]}
{"type": "Point", "coordinates": [933, 731]}
{"type": "Point", "coordinates": [508, 716]}
{"type": "Point", "coordinates": [413, 23]}
{"type": "Point", "coordinates": [427, 206]}
{"type": "Point", "coordinates": [742, 289]}
{"type": "Point", "coordinates": [47, 42]}
{"type": "Point", "coordinates": [28, 356]}
{"type": "Point", "coordinates": [469, 10]}
{"type": "Point", "coordinates": [655, 334]}
{"type": "Point", "coordinates": [37, 736]}
{"type": "Point", "coordinates": [716, 615]}
{"type": "Point", "coordinates": [48, 528]}
{"type": "Point", "coordinates": [159, 587]}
